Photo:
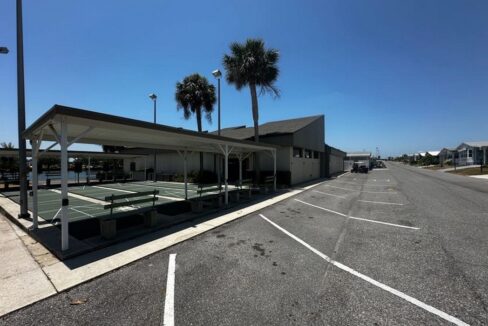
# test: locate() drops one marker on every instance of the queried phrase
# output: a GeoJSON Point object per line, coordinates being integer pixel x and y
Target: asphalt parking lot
{"type": "Point", "coordinates": [399, 246]}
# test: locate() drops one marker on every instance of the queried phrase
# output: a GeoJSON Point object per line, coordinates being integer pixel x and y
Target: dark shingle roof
{"type": "Point", "coordinates": [270, 128]}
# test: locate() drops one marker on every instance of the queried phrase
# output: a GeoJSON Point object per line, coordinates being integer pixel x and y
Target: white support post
{"type": "Point", "coordinates": [145, 168]}
{"type": "Point", "coordinates": [64, 186]}
{"type": "Point", "coordinates": [219, 161]}
{"type": "Point", "coordinates": [184, 155]}
{"type": "Point", "coordinates": [185, 174]}
{"type": "Point", "coordinates": [240, 158]}
{"type": "Point", "coordinates": [89, 170]}
{"type": "Point", "coordinates": [273, 152]}
{"type": "Point", "coordinates": [226, 176]}
{"type": "Point", "coordinates": [35, 180]}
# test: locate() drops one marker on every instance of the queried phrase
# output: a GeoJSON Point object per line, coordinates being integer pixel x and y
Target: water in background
{"type": "Point", "coordinates": [71, 176]}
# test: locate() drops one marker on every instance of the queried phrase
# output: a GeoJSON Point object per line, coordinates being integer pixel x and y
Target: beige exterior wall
{"type": "Point", "coordinates": [304, 169]}
{"type": "Point", "coordinates": [283, 156]}
{"type": "Point", "coordinates": [336, 164]}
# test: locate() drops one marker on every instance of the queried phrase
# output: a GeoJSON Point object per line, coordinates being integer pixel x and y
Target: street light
{"type": "Point", "coordinates": [21, 114]}
{"type": "Point", "coordinates": [154, 97]}
{"type": "Point", "coordinates": [217, 74]}
{"type": "Point", "coordinates": [3, 50]}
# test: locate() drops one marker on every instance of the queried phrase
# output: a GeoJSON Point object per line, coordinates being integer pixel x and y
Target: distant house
{"type": "Point", "coordinates": [446, 154]}
{"type": "Point", "coordinates": [469, 153]}
{"type": "Point", "coordinates": [353, 157]}
{"type": "Point", "coordinates": [431, 153]}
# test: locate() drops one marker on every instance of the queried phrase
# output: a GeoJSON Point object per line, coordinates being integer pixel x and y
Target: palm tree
{"type": "Point", "coordinates": [8, 145]}
{"type": "Point", "coordinates": [251, 64]}
{"type": "Point", "coordinates": [195, 95]}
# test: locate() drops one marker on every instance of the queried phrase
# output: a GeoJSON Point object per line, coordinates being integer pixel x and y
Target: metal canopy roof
{"type": "Point", "coordinates": [56, 153]}
{"type": "Point", "coordinates": [91, 127]}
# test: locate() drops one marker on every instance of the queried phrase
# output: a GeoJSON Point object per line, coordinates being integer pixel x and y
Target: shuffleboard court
{"type": "Point", "coordinates": [163, 191]}
{"type": "Point", "coordinates": [49, 204]}
{"type": "Point", "coordinates": [167, 184]}
{"type": "Point", "coordinates": [100, 193]}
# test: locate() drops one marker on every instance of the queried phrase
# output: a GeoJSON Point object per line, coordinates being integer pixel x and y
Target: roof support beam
{"type": "Point", "coordinates": [84, 133]}
{"type": "Point", "coordinates": [55, 133]}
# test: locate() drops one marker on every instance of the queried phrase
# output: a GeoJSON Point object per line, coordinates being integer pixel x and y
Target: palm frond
{"type": "Point", "coordinates": [194, 93]}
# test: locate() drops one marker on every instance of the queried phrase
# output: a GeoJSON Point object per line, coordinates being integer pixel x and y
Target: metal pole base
{"type": "Point", "coordinates": [25, 216]}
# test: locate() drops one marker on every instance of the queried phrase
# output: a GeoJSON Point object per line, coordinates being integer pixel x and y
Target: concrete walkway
{"type": "Point", "coordinates": [483, 176]}
{"type": "Point", "coordinates": [22, 280]}
{"type": "Point", "coordinates": [459, 168]}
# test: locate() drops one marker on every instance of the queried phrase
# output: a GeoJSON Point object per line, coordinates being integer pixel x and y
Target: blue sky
{"type": "Point", "coordinates": [401, 75]}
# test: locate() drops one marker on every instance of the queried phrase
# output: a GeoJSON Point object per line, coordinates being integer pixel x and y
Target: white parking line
{"type": "Point", "coordinates": [368, 279]}
{"type": "Point", "coordinates": [169, 313]}
{"type": "Point", "coordinates": [340, 188]}
{"type": "Point", "coordinates": [379, 202]}
{"type": "Point", "coordinates": [369, 192]}
{"type": "Point", "coordinates": [365, 184]}
{"type": "Point", "coordinates": [357, 218]}
{"type": "Point", "coordinates": [325, 193]}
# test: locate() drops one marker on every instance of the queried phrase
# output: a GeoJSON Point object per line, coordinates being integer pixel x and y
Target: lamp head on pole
{"type": "Point", "coordinates": [217, 74]}
{"type": "Point", "coordinates": [153, 96]}
{"type": "Point", "coordinates": [3, 50]}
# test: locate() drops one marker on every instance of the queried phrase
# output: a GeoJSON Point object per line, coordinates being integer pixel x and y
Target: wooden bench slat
{"type": "Point", "coordinates": [119, 214]}
{"type": "Point", "coordinates": [201, 191]}
{"type": "Point", "coordinates": [130, 203]}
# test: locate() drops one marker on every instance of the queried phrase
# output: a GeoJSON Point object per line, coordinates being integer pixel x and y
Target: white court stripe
{"type": "Point", "coordinates": [368, 279]}
{"type": "Point", "coordinates": [89, 215]}
{"type": "Point", "coordinates": [325, 193]}
{"type": "Point", "coordinates": [357, 218]}
{"type": "Point", "coordinates": [169, 302]}
{"type": "Point", "coordinates": [113, 189]}
{"type": "Point", "coordinates": [379, 202]}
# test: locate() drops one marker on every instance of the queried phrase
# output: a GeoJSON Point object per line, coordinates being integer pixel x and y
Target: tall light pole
{"type": "Point", "coordinates": [154, 97]}
{"type": "Point", "coordinates": [217, 74]}
{"type": "Point", "coordinates": [21, 114]}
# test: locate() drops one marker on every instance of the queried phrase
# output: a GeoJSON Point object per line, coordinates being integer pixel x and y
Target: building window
{"type": "Point", "coordinates": [315, 154]}
{"type": "Point", "coordinates": [470, 153]}
{"type": "Point", "coordinates": [297, 152]}
{"type": "Point", "coordinates": [308, 153]}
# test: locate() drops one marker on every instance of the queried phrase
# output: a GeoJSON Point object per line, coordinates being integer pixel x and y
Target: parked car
{"type": "Point", "coordinates": [355, 168]}
{"type": "Point", "coordinates": [362, 167]}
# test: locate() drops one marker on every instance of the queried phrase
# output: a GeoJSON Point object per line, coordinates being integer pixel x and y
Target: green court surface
{"type": "Point", "coordinates": [100, 193]}
{"type": "Point", "coordinates": [166, 189]}
{"type": "Point", "coordinates": [49, 203]}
